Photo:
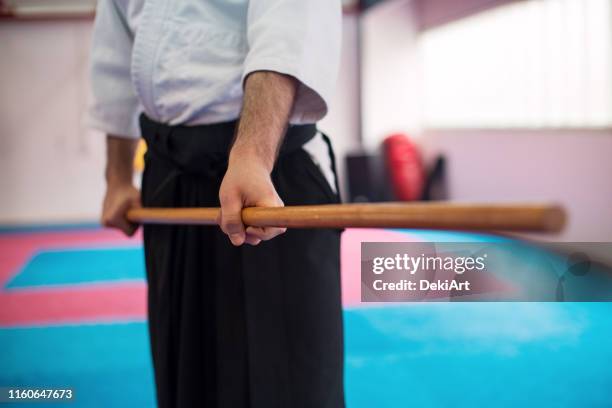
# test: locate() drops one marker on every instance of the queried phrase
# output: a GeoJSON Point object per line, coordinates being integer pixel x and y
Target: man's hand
{"type": "Point", "coordinates": [121, 195]}
{"type": "Point", "coordinates": [247, 183]}
{"type": "Point", "coordinates": [117, 201]}
{"type": "Point", "coordinates": [267, 103]}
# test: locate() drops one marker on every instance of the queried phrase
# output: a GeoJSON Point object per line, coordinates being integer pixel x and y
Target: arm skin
{"type": "Point", "coordinates": [121, 195]}
{"type": "Point", "coordinates": [268, 100]}
{"type": "Point", "coordinates": [267, 103]}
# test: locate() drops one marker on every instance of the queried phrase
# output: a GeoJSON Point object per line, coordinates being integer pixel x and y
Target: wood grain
{"type": "Point", "coordinates": [451, 216]}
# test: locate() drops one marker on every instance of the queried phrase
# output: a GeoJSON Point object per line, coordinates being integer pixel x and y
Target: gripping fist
{"type": "Point", "coordinates": [247, 183]}
{"type": "Point", "coordinates": [117, 201]}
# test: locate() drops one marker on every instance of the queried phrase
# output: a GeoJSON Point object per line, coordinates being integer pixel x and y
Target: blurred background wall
{"type": "Point", "coordinates": [50, 163]}
{"type": "Point", "coordinates": [517, 98]}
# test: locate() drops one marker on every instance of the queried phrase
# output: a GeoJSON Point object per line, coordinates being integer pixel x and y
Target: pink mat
{"type": "Point", "coordinates": [123, 301]}
{"type": "Point", "coordinates": [350, 258]}
{"type": "Point", "coordinates": [76, 304]}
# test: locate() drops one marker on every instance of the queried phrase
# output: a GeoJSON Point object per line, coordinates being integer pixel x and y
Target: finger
{"type": "Point", "coordinates": [265, 233]}
{"type": "Point", "coordinates": [231, 218]}
{"type": "Point", "coordinates": [115, 217]}
{"type": "Point", "coordinates": [252, 240]}
{"type": "Point", "coordinates": [128, 228]}
{"type": "Point", "coordinates": [271, 200]}
{"type": "Point", "coordinates": [122, 222]}
{"type": "Point", "coordinates": [119, 222]}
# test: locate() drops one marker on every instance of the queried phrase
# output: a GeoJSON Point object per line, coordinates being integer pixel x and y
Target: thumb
{"type": "Point", "coordinates": [231, 218]}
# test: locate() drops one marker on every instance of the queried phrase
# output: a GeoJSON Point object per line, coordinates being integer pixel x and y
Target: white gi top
{"type": "Point", "coordinates": [184, 61]}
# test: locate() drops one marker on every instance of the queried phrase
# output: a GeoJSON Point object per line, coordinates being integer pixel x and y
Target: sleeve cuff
{"type": "Point", "coordinates": [117, 125]}
{"type": "Point", "coordinates": [311, 101]}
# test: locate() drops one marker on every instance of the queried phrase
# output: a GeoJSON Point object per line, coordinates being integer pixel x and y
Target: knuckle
{"type": "Point", "coordinates": [228, 197]}
{"type": "Point", "coordinates": [224, 199]}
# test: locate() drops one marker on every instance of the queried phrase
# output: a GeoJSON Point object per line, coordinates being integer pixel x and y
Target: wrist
{"type": "Point", "coordinates": [252, 155]}
{"type": "Point", "coordinates": [119, 158]}
{"type": "Point", "coordinates": [116, 179]}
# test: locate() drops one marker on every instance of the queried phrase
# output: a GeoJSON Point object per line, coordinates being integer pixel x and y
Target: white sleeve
{"type": "Point", "coordinates": [300, 38]}
{"type": "Point", "coordinates": [114, 106]}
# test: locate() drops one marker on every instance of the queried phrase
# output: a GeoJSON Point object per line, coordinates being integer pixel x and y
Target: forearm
{"type": "Point", "coordinates": [267, 104]}
{"type": "Point", "coordinates": [121, 195]}
{"type": "Point", "coordinates": [119, 160]}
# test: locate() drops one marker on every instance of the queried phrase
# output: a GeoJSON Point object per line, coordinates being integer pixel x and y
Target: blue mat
{"type": "Point", "coordinates": [453, 236]}
{"type": "Point", "coordinates": [107, 365]}
{"type": "Point", "coordinates": [432, 355]}
{"type": "Point", "coordinates": [81, 266]}
{"type": "Point", "coordinates": [480, 355]}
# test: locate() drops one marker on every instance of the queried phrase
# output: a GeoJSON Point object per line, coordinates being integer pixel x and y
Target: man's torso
{"type": "Point", "coordinates": [186, 51]}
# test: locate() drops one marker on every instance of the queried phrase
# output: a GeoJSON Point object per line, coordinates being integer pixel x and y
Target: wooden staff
{"type": "Point", "coordinates": [452, 216]}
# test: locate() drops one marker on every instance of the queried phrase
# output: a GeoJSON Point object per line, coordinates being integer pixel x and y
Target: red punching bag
{"type": "Point", "coordinates": [405, 167]}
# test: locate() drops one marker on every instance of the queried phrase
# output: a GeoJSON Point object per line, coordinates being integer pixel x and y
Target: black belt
{"type": "Point", "coordinates": [194, 149]}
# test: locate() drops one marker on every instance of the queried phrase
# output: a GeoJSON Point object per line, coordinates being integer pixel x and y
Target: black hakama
{"type": "Point", "coordinates": [239, 326]}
